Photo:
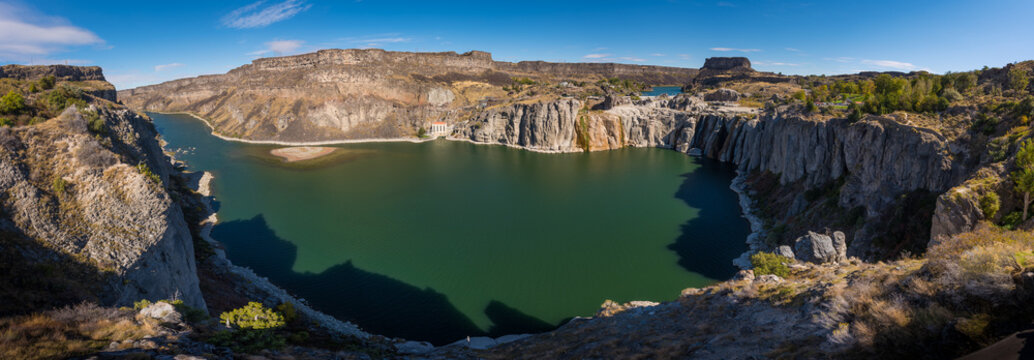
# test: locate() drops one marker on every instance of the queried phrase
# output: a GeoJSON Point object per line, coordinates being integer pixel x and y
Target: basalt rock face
{"type": "Point", "coordinates": [549, 126]}
{"type": "Point", "coordinates": [727, 64]}
{"type": "Point", "coordinates": [877, 159]}
{"type": "Point", "coordinates": [658, 75]}
{"type": "Point", "coordinates": [60, 72]}
{"type": "Point", "coordinates": [84, 194]}
{"type": "Point", "coordinates": [360, 94]}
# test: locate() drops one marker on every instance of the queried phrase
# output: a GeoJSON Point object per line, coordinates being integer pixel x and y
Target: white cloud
{"type": "Point", "coordinates": [891, 64]}
{"type": "Point", "coordinates": [25, 35]}
{"type": "Point", "coordinates": [657, 54]}
{"type": "Point", "coordinates": [735, 49]}
{"type": "Point", "coordinates": [255, 15]}
{"type": "Point", "coordinates": [684, 56]}
{"type": "Point", "coordinates": [632, 59]}
{"type": "Point", "coordinates": [792, 49]}
{"type": "Point", "coordinates": [726, 4]}
{"type": "Point", "coordinates": [164, 67]}
{"type": "Point", "coordinates": [596, 56]}
{"type": "Point", "coordinates": [279, 47]}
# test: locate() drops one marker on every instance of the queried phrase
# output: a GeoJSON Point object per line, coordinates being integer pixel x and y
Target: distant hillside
{"type": "Point", "coordinates": [354, 94]}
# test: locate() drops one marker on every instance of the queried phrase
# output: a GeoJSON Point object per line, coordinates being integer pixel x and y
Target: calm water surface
{"type": "Point", "coordinates": [667, 90]}
{"type": "Point", "coordinates": [440, 240]}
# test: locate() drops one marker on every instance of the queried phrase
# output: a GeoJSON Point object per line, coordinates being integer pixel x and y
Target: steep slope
{"type": "Point", "coordinates": [89, 189]}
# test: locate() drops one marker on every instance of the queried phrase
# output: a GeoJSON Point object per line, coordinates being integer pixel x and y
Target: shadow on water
{"type": "Point", "coordinates": [377, 303]}
{"type": "Point", "coordinates": [710, 242]}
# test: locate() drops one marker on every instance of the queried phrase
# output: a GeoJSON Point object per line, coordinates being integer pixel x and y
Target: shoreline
{"type": "Point", "coordinates": [754, 240]}
{"type": "Point", "coordinates": [356, 141]}
{"type": "Point", "coordinates": [328, 322]}
{"type": "Point", "coordinates": [290, 143]}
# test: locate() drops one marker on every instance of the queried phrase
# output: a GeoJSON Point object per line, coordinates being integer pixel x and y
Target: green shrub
{"type": "Point", "coordinates": [47, 82]}
{"type": "Point", "coordinates": [63, 97]}
{"type": "Point", "coordinates": [998, 150]}
{"type": "Point", "coordinates": [421, 132]}
{"type": "Point", "coordinates": [253, 316]}
{"type": "Point", "coordinates": [6, 122]}
{"type": "Point", "coordinates": [989, 204]}
{"type": "Point", "coordinates": [146, 171]}
{"type": "Point", "coordinates": [1011, 220]}
{"type": "Point", "coordinates": [974, 327]}
{"type": "Point", "coordinates": [766, 263]}
{"type": "Point", "coordinates": [37, 120]}
{"type": "Point", "coordinates": [140, 305]}
{"type": "Point", "coordinates": [190, 314]}
{"type": "Point", "coordinates": [810, 107]}
{"type": "Point", "coordinates": [60, 185]}
{"type": "Point", "coordinates": [12, 103]}
{"type": "Point", "coordinates": [254, 329]}
{"type": "Point", "coordinates": [94, 122]}
{"type": "Point", "coordinates": [287, 310]}
{"type": "Point", "coordinates": [1024, 259]}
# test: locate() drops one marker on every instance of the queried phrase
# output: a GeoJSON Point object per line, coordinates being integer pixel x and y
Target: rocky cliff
{"type": "Point", "coordinates": [874, 160]}
{"type": "Point", "coordinates": [363, 94]}
{"type": "Point", "coordinates": [91, 187]}
{"type": "Point", "coordinates": [89, 79]}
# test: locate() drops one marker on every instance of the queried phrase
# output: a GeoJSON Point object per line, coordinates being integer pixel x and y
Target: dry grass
{"type": "Point", "coordinates": [72, 331]}
{"type": "Point", "coordinates": [959, 298]}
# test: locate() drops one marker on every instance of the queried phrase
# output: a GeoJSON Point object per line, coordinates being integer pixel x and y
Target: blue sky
{"type": "Point", "coordinates": [146, 42]}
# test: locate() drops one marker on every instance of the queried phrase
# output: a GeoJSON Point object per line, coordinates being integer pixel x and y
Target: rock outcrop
{"type": "Point", "coordinates": [820, 248]}
{"type": "Point", "coordinates": [99, 195]}
{"type": "Point", "coordinates": [549, 127]}
{"type": "Point", "coordinates": [60, 72]}
{"type": "Point", "coordinates": [728, 95]}
{"type": "Point", "coordinates": [727, 64]}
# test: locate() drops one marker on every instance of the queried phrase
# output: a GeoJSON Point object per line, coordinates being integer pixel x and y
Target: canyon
{"type": "Point", "coordinates": [122, 208]}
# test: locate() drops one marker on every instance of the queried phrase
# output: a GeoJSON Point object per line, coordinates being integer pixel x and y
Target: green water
{"type": "Point", "coordinates": [440, 240]}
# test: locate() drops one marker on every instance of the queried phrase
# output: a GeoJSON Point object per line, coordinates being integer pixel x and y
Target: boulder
{"type": "Point", "coordinates": [784, 250]}
{"type": "Point", "coordinates": [816, 248]}
{"type": "Point", "coordinates": [769, 279]}
{"type": "Point", "coordinates": [162, 311]}
{"type": "Point", "coordinates": [722, 95]}
{"type": "Point", "coordinates": [613, 101]}
{"type": "Point", "coordinates": [840, 245]}
{"type": "Point", "coordinates": [747, 275]}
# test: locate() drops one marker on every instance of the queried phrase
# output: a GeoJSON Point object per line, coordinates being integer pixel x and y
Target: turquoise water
{"type": "Point", "coordinates": [668, 90]}
{"type": "Point", "coordinates": [440, 240]}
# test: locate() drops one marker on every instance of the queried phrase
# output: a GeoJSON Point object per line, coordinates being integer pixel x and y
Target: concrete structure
{"type": "Point", "coordinates": [438, 128]}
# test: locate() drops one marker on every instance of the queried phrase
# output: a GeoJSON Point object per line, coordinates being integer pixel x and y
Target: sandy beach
{"type": "Point", "coordinates": [299, 153]}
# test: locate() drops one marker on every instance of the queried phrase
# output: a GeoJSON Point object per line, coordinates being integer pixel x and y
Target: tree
{"type": "Point", "coordinates": [12, 103]}
{"type": "Point", "coordinates": [47, 82]}
{"type": "Point", "coordinates": [1024, 175]}
{"type": "Point", "coordinates": [1018, 79]}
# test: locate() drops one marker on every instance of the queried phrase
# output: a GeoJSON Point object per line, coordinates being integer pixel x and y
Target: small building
{"type": "Point", "coordinates": [438, 128]}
